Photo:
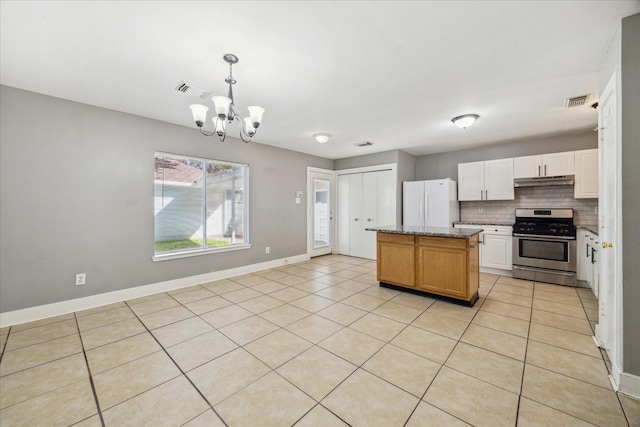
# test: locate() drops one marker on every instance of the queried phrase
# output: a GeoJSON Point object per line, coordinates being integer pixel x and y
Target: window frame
{"type": "Point", "coordinates": [185, 253]}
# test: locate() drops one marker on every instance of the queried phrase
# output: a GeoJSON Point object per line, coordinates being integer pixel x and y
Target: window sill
{"type": "Point", "coordinates": [198, 252]}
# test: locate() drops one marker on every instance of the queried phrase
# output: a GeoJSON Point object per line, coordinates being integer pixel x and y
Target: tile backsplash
{"type": "Point", "coordinates": [585, 211]}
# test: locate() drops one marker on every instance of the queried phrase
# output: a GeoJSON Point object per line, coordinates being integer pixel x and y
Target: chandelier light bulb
{"type": "Point", "coordinates": [255, 113]}
{"type": "Point", "coordinates": [221, 103]}
{"type": "Point", "coordinates": [199, 113]}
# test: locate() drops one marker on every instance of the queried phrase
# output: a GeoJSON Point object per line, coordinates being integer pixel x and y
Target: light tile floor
{"type": "Point", "coordinates": [317, 343]}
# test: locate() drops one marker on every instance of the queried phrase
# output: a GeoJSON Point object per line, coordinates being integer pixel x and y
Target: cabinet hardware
{"type": "Point", "coordinates": [606, 245]}
{"type": "Point", "coordinates": [355, 219]}
{"type": "Point", "coordinates": [593, 254]}
{"type": "Point", "coordinates": [587, 245]}
{"type": "Point", "coordinates": [369, 219]}
{"type": "Point", "coordinates": [538, 170]}
{"type": "Point", "coordinates": [545, 170]}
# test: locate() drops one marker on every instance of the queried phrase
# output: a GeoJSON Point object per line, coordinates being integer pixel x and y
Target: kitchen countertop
{"type": "Point", "coordinates": [504, 224]}
{"type": "Point", "coordinates": [457, 233]}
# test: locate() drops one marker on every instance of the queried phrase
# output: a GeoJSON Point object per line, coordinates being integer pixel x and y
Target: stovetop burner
{"type": "Point", "coordinates": [545, 222]}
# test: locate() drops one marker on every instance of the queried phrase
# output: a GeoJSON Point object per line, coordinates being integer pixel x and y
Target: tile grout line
{"type": "Point", "coordinates": [86, 361]}
{"type": "Point", "coordinates": [526, 349]}
{"type": "Point", "coordinates": [6, 341]}
{"type": "Point", "coordinates": [182, 373]}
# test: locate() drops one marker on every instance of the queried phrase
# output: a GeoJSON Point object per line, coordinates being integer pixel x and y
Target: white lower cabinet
{"type": "Point", "coordinates": [587, 259]}
{"type": "Point", "coordinates": [496, 243]}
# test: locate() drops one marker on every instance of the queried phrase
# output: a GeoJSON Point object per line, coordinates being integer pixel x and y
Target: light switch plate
{"type": "Point", "coordinates": [299, 194]}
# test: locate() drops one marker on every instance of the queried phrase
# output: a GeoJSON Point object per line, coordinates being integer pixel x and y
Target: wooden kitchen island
{"type": "Point", "coordinates": [432, 261]}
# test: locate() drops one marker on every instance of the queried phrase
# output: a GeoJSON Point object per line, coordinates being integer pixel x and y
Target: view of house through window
{"type": "Point", "coordinates": [199, 203]}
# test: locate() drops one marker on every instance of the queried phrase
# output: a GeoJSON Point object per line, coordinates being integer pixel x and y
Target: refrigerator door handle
{"type": "Point", "coordinates": [426, 208]}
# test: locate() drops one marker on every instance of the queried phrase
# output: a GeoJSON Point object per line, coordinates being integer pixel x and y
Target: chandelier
{"type": "Point", "coordinates": [225, 113]}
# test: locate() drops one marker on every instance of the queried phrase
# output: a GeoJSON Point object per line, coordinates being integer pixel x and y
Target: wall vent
{"type": "Point", "coordinates": [577, 101]}
{"type": "Point", "coordinates": [193, 90]}
{"type": "Point", "coordinates": [363, 144]}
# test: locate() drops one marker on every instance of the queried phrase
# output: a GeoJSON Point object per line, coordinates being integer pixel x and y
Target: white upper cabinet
{"type": "Point", "coordinates": [471, 181]}
{"type": "Point", "coordinates": [489, 180]}
{"type": "Point", "coordinates": [558, 164]}
{"type": "Point", "coordinates": [554, 164]}
{"type": "Point", "coordinates": [586, 179]}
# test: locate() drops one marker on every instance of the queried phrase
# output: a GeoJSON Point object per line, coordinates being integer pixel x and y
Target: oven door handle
{"type": "Point", "coordinates": [539, 237]}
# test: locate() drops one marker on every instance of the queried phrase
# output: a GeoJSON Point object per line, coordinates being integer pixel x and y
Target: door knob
{"type": "Point", "coordinates": [606, 245]}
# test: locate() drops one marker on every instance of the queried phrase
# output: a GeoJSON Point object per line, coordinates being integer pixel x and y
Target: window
{"type": "Point", "coordinates": [201, 205]}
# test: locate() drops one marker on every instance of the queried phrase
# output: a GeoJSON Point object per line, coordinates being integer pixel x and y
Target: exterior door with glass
{"type": "Point", "coordinates": [319, 212]}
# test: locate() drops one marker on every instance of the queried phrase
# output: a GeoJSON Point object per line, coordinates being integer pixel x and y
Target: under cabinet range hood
{"type": "Point", "coordinates": [543, 181]}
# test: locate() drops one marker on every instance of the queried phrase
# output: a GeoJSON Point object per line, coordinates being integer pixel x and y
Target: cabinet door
{"type": "Point", "coordinates": [498, 179]}
{"type": "Point", "coordinates": [557, 164]}
{"type": "Point", "coordinates": [582, 252]}
{"type": "Point", "coordinates": [586, 178]}
{"type": "Point", "coordinates": [496, 251]}
{"type": "Point", "coordinates": [396, 259]}
{"type": "Point", "coordinates": [527, 166]}
{"type": "Point", "coordinates": [442, 271]}
{"type": "Point", "coordinates": [471, 181]}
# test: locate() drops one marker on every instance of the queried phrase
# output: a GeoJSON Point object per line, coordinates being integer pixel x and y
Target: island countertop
{"type": "Point", "coordinates": [457, 233]}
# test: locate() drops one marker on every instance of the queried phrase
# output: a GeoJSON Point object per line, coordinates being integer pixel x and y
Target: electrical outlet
{"type": "Point", "coordinates": [81, 279]}
{"type": "Point", "coordinates": [267, 250]}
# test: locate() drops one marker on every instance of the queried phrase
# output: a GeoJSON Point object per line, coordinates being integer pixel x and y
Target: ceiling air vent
{"type": "Point", "coordinates": [193, 90]}
{"type": "Point", "coordinates": [363, 144]}
{"type": "Point", "coordinates": [576, 102]}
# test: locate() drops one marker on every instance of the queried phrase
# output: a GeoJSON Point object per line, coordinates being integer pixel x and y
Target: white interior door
{"type": "Point", "coordinates": [319, 212]}
{"type": "Point", "coordinates": [369, 214]}
{"type": "Point", "coordinates": [609, 329]}
{"type": "Point", "coordinates": [344, 216]}
{"type": "Point", "coordinates": [355, 215]}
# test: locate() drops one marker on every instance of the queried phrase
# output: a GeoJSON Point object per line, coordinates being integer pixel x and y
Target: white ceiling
{"type": "Point", "coordinates": [390, 72]}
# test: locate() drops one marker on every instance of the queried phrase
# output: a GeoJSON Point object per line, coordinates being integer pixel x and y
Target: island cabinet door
{"type": "Point", "coordinates": [396, 259]}
{"type": "Point", "coordinates": [442, 267]}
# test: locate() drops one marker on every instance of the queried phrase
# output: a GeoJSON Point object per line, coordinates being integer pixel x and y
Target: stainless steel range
{"type": "Point", "coordinates": [544, 246]}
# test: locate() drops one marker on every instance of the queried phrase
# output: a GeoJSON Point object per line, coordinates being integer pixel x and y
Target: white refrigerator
{"type": "Point", "coordinates": [432, 203]}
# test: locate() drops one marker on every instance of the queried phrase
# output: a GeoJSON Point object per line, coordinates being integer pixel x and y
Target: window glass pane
{"type": "Point", "coordinates": [320, 213]}
{"type": "Point", "coordinates": [183, 187]}
{"type": "Point", "coordinates": [225, 204]}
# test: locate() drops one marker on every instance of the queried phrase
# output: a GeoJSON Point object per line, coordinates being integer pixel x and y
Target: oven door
{"type": "Point", "coordinates": [548, 252]}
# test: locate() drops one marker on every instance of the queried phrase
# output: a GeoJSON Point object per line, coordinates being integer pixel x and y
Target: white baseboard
{"type": "Point", "coordinates": [78, 304]}
{"type": "Point", "coordinates": [495, 271]}
{"type": "Point", "coordinates": [630, 385]}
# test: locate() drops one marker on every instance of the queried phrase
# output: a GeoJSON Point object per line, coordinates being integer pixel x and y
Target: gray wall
{"type": "Point", "coordinates": [443, 165]}
{"type": "Point", "coordinates": [374, 159]}
{"type": "Point", "coordinates": [76, 192]}
{"type": "Point", "coordinates": [630, 75]}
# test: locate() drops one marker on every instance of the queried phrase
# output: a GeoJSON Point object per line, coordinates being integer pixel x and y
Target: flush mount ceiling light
{"type": "Point", "coordinates": [225, 114]}
{"type": "Point", "coordinates": [322, 137]}
{"type": "Point", "coordinates": [465, 121]}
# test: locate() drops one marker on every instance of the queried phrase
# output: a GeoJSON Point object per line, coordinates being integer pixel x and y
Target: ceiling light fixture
{"type": "Point", "coordinates": [225, 114]}
{"type": "Point", "coordinates": [465, 121]}
{"type": "Point", "coordinates": [322, 137]}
